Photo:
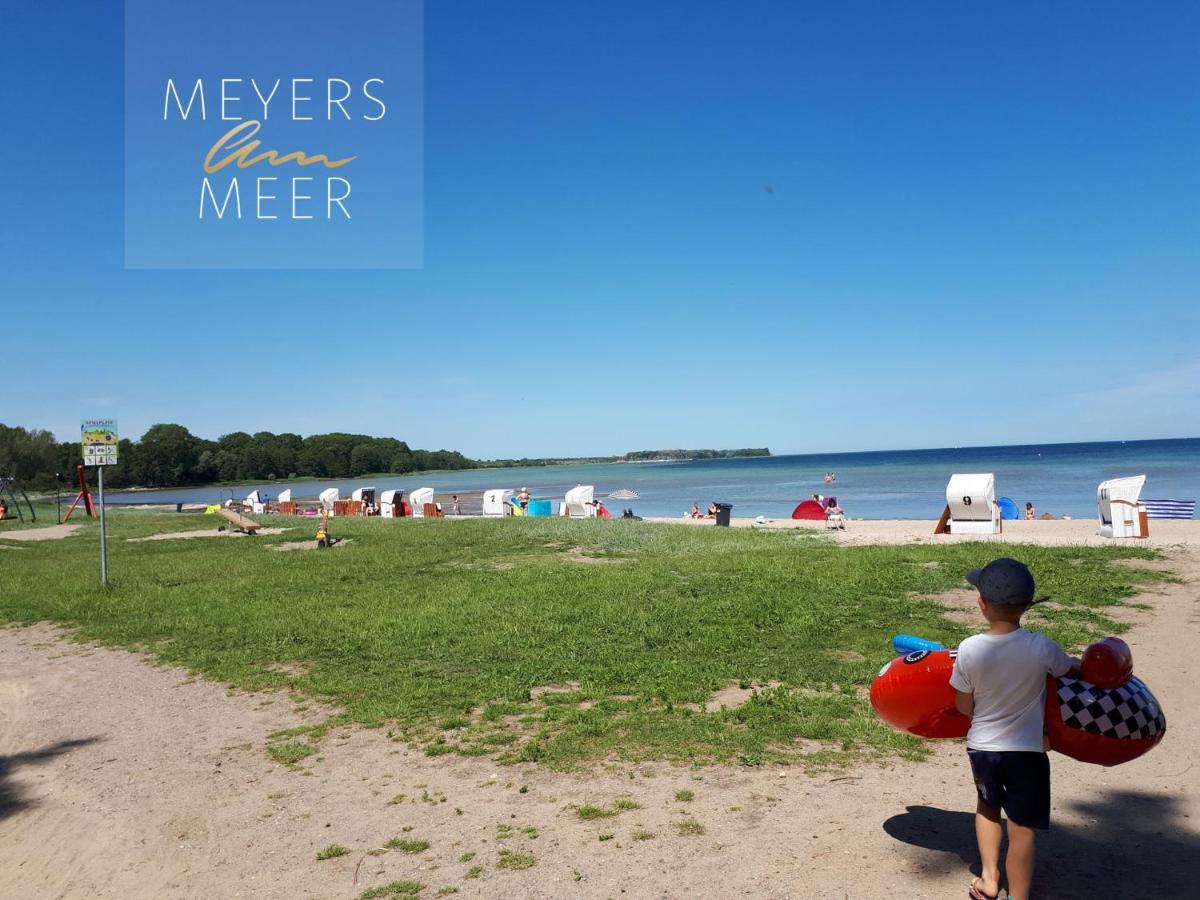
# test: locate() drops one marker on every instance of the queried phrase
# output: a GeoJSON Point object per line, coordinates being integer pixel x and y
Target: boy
{"type": "Point", "coordinates": [1000, 683]}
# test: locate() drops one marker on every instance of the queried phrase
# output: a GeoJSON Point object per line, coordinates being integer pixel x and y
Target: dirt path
{"type": "Point", "coordinates": [46, 533]}
{"type": "Point", "coordinates": [123, 780]}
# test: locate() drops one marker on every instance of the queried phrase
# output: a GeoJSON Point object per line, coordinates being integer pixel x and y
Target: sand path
{"type": "Point", "coordinates": [47, 533]}
{"type": "Point", "coordinates": [124, 780]}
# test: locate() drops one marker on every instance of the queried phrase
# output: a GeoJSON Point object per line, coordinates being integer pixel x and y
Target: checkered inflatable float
{"type": "Point", "coordinates": [1107, 726]}
{"type": "Point", "coordinates": [1107, 717]}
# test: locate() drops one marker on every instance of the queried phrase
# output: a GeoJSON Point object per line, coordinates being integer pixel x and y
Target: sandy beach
{"type": "Point", "coordinates": [1054, 533]}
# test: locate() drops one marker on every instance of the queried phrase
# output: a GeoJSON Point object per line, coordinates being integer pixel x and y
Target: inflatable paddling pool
{"type": "Point", "coordinates": [1106, 716]}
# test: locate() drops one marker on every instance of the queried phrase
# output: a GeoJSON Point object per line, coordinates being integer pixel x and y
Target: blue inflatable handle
{"type": "Point", "coordinates": [905, 644]}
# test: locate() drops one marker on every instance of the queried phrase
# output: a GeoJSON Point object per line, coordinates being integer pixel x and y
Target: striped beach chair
{"type": "Point", "coordinates": [1170, 509]}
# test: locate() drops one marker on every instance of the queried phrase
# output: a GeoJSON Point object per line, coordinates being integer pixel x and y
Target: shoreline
{"type": "Point", "coordinates": [1164, 533]}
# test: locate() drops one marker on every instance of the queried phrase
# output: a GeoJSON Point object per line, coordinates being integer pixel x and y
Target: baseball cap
{"type": "Point", "coordinates": [1004, 581]}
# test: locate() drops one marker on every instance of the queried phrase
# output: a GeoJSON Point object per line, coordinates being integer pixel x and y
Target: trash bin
{"type": "Point", "coordinates": [723, 510]}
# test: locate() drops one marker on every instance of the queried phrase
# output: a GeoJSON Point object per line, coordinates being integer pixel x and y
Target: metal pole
{"type": "Point", "coordinates": [103, 535]}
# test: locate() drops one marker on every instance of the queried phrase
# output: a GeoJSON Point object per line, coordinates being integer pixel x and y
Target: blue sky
{"type": "Point", "coordinates": [982, 229]}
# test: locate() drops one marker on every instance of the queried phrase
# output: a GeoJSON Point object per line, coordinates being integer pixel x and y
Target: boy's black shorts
{"type": "Point", "coordinates": [1015, 781]}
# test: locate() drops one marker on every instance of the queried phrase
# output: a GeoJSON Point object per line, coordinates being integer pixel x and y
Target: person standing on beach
{"type": "Point", "coordinates": [455, 506]}
{"type": "Point", "coordinates": [1030, 512]}
{"type": "Point", "coordinates": [523, 498]}
{"type": "Point", "coordinates": [999, 678]}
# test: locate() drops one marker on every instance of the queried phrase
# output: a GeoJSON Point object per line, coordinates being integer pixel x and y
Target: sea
{"type": "Point", "coordinates": [892, 484]}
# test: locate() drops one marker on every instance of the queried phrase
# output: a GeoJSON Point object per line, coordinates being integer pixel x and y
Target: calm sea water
{"type": "Point", "coordinates": [900, 484]}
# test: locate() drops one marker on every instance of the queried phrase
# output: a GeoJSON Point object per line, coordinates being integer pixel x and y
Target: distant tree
{"type": "Point", "coordinates": [168, 455]}
{"type": "Point", "coordinates": [365, 459]}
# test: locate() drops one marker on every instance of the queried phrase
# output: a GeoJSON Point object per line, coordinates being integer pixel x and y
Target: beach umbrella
{"type": "Point", "coordinates": [624, 494]}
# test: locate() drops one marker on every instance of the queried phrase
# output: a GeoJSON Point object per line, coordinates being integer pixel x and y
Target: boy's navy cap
{"type": "Point", "coordinates": [1004, 581]}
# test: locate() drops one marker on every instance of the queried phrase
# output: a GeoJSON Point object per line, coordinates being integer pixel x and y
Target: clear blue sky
{"type": "Point", "coordinates": [983, 229]}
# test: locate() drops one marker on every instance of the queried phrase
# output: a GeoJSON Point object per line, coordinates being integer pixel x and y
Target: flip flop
{"type": "Point", "coordinates": [976, 894]}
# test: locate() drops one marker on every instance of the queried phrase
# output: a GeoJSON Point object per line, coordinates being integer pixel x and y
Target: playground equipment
{"type": "Point", "coordinates": [1121, 516]}
{"type": "Point", "coordinates": [970, 506]}
{"type": "Point", "coordinates": [239, 522]}
{"type": "Point", "coordinates": [497, 502]}
{"type": "Point", "coordinates": [10, 487]}
{"type": "Point", "coordinates": [324, 538]}
{"type": "Point", "coordinates": [84, 494]}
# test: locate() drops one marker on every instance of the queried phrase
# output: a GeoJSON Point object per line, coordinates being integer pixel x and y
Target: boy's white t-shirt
{"type": "Point", "coordinates": [1007, 675]}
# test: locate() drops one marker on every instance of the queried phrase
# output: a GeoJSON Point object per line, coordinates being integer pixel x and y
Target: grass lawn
{"type": "Point", "coordinates": [440, 629]}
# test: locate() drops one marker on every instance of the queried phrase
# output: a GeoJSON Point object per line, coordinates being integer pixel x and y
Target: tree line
{"type": "Point", "coordinates": [170, 456]}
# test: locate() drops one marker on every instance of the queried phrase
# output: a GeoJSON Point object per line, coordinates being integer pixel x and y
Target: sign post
{"type": "Point", "coordinates": [98, 438]}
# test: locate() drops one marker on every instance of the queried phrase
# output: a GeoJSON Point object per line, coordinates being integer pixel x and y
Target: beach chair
{"type": "Point", "coordinates": [497, 502]}
{"type": "Point", "coordinates": [418, 499]}
{"type": "Point", "coordinates": [834, 516]}
{"type": "Point", "coordinates": [328, 497]}
{"type": "Point", "coordinates": [366, 497]}
{"type": "Point", "coordinates": [578, 502]}
{"type": "Point", "coordinates": [390, 505]}
{"type": "Point", "coordinates": [1118, 509]}
{"type": "Point", "coordinates": [970, 506]}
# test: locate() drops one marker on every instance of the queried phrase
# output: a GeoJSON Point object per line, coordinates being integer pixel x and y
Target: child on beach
{"type": "Point", "coordinates": [1000, 682]}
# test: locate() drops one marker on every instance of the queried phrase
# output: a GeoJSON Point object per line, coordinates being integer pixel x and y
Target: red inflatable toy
{"type": "Point", "coordinates": [1085, 719]}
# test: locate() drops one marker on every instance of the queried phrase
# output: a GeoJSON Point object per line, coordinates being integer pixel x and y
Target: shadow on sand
{"type": "Point", "coordinates": [12, 796]}
{"type": "Point", "coordinates": [1132, 844]}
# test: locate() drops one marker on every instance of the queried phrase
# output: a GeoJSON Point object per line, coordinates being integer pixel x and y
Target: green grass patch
{"type": "Point", "coordinates": [289, 753]}
{"type": "Point", "coordinates": [408, 845]}
{"type": "Point", "coordinates": [587, 812]}
{"type": "Point", "coordinates": [689, 827]}
{"type": "Point", "coordinates": [685, 796]}
{"type": "Point", "coordinates": [393, 889]}
{"type": "Point", "coordinates": [332, 852]}
{"type": "Point", "coordinates": [514, 859]}
{"type": "Point", "coordinates": [488, 610]}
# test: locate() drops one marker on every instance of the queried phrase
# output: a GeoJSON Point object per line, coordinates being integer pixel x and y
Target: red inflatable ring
{"type": "Point", "coordinates": [1105, 726]}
